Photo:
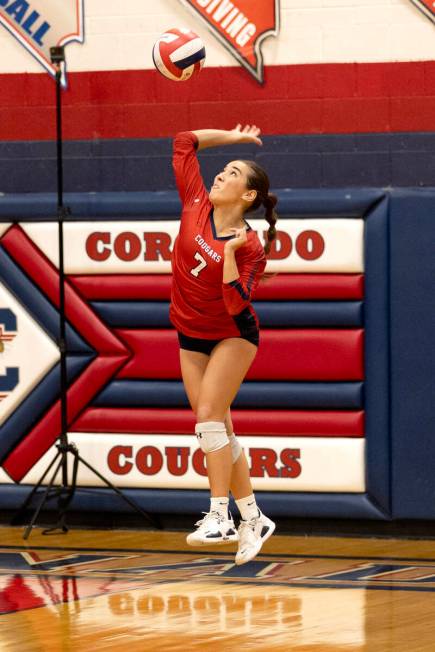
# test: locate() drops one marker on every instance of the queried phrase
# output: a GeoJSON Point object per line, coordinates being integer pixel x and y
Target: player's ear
{"type": "Point", "coordinates": [249, 195]}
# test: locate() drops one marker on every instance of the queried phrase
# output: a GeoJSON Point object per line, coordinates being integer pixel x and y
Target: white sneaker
{"type": "Point", "coordinates": [213, 529]}
{"type": "Point", "coordinates": [252, 535]}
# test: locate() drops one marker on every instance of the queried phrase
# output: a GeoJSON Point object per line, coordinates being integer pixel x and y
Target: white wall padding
{"type": "Point", "coordinates": [303, 245]}
{"type": "Point", "coordinates": [316, 464]}
{"type": "Point", "coordinates": [45, 236]}
{"type": "Point", "coordinates": [316, 245]}
{"type": "Point", "coordinates": [119, 247]}
{"type": "Point", "coordinates": [31, 351]}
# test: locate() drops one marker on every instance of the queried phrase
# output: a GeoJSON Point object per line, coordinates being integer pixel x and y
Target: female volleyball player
{"type": "Point", "coordinates": [217, 263]}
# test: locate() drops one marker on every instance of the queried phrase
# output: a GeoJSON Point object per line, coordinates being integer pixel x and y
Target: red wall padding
{"type": "Point", "coordinates": [296, 354]}
{"type": "Point", "coordinates": [157, 287]}
{"type": "Point", "coordinates": [316, 423]}
{"type": "Point", "coordinates": [47, 430]}
{"type": "Point", "coordinates": [46, 276]}
{"type": "Point", "coordinates": [296, 99]}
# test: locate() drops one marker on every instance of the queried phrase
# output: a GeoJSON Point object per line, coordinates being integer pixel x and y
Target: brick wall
{"type": "Point", "coordinates": [120, 35]}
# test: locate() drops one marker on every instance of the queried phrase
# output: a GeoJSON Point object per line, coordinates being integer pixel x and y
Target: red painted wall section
{"type": "Point", "coordinates": [297, 99]}
{"type": "Point", "coordinates": [335, 354]}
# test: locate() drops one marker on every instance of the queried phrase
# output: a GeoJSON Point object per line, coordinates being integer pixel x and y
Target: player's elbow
{"type": "Point", "coordinates": [234, 309]}
{"type": "Point", "coordinates": [184, 140]}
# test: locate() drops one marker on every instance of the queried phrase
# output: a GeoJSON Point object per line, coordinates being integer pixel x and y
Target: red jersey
{"type": "Point", "coordinates": [201, 304]}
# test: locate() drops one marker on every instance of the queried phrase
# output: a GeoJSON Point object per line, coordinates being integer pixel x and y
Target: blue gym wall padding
{"type": "Point", "coordinates": [155, 314]}
{"type": "Point", "coordinates": [344, 203]}
{"type": "Point", "coordinates": [37, 403]}
{"type": "Point", "coordinates": [399, 318]}
{"type": "Point", "coordinates": [37, 304]}
{"type": "Point", "coordinates": [376, 356]}
{"type": "Point", "coordinates": [172, 501]}
{"type": "Point", "coordinates": [167, 393]}
{"type": "Point", "coordinates": [412, 268]}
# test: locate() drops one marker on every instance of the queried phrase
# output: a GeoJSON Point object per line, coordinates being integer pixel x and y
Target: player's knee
{"type": "Point", "coordinates": [205, 412]}
{"type": "Point", "coordinates": [211, 435]}
{"type": "Point", "coordinates": [236, 449]}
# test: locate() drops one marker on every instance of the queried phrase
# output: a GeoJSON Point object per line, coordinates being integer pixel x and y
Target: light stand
{"type": "Point", "coordinates": [65, 492]}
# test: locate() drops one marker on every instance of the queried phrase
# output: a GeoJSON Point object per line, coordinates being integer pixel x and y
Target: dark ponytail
{"type": "Point", "coordinates": [271, 217]}
{"type": "Point", "coordinates": [259, 181]}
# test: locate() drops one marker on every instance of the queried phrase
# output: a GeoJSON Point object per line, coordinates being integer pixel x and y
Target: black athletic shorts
{"type": "Point", "coordinates": [206, 346]}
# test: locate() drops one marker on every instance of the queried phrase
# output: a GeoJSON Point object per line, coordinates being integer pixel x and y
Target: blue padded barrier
{"type": "Point", "coordinates": [344, 203]}
{"type": "Point", "coordinates": [35, 405]}
{"type": "Point", "coordinates": [171, 501]}
{"type": "Point", "coordinates": [108, 204]}
{"type": "Point", "coordinates": [376, 356]}
{"type": "Point", "coordinates": [37, 304]}
{"type": "Point", "coordinates": [278, 314]}
{"type": "Point", "coordinates": [309, 313]}
{"type": "Point", "coordinates": [133, 314]}
{"type": "Point", "coordinates": [155, 393]}
{"type": "Point", "coordinates": [405, 410]}
{"type": "Point", "coordinates": [413, 353]}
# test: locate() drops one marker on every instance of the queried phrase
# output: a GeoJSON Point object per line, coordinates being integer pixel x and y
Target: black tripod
{"type": "Point", "coordinates": [64, 492]}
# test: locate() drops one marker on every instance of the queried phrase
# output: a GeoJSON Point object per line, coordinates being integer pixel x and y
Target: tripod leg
{"type": "Point", "coordinates": [15, 520]}
{"type": "Point", "coordinates": [44, 498]}
{"type": "Point", "coordinates": [150, 518]}
{"type": "Point", "coordinates": [64, 502]}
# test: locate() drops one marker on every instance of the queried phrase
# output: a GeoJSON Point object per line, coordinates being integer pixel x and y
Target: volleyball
{"type": "Point", "coordinates": [179, 54]}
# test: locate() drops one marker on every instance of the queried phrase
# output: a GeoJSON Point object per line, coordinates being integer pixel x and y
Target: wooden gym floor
{"type": "Point", "coordinates": [138, 591]}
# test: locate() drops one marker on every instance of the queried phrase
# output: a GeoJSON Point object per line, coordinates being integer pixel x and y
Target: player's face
{"type": "Point", "coordinates": [230, 185]}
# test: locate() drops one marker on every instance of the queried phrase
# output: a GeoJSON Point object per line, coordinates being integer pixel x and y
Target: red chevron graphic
{"type": "Point", "coordinates": [112, 352]}
{"type": "Point", "coordinates": [427, 7]}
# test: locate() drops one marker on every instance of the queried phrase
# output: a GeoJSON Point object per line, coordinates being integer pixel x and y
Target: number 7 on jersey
{"type": "Point", "coordinates": [202, 263]}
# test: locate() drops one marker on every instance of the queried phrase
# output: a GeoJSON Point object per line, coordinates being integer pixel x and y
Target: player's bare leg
{"type": "Point", "coordinates": [255, 528]}
{"type": "Point", "coordinates": [217, 526]}
{"type": "Point", "coordinates": [211, 383]}
{"type": "Point", "coordinates": [225, 371]}
{"type": "Point", "coordinates": [193, 366]}
{"type": "Point", "coordinates": [210, 395]}
{"type": "Point", "coordinates": [240, 484]}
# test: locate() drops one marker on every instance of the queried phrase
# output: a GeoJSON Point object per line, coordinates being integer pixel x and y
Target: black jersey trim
{"type": "Point", "coordinates": [222, 237]}
{"type": "Point", "coordinates": [239, 287]}
{"type": "Point", "coordinates": [247, 325]}
{"type": "Point", "coordinates": [213, 229]}
{"type": "Point", "coordinates": [252, 276]}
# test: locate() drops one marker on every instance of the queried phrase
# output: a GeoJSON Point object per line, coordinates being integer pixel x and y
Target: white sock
{"type": "Point", "coordinates": [220, 505]}
{"type": "Point", "coordinates": [248, 507]}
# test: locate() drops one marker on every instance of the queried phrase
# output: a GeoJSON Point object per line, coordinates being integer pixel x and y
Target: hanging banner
{"type": "Point", "coordinates": [41, 24]}
{"type": "Point", "coordinates": [427, 7]}
{"type": "Point", "coordinates": [241, 26]}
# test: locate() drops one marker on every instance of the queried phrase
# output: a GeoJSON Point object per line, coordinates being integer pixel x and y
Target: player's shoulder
{"type": "Point", "coordinates": [254, 246]}
{"type": "Point", "coordinates": [252, 253]}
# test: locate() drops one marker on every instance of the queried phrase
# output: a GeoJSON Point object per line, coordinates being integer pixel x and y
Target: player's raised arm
{"type": "Point", "coordinates": [218, 137]}
{"type": "Point", "coordinates": [186, 167]}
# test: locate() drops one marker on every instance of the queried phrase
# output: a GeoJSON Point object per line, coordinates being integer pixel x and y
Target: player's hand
{"type": "Point", "coordinates": [247, 134]}
{"type": "Point", "coordinates": [240, 238]}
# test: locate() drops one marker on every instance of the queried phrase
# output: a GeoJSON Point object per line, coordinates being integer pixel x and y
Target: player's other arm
{"type": "Point", "coordinates": [240, 280]}
{"type": "Point", "coordinates": [219, 137]}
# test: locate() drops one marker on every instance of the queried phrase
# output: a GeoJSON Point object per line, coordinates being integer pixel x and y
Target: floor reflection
{"type": "Point", "coordinates": [182, 614]}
